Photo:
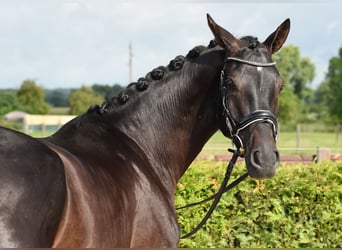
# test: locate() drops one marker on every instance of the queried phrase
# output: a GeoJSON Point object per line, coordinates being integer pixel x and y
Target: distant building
{"type": "Point", "coordinates": [15, 116]}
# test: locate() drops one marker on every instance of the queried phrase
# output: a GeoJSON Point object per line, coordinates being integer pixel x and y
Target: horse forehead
{"type": "Point", "coordinates": [258, 54]}
{"type": "Point", "coordinates": [261, 55]}
{"type": "Point", "coordinates": [244, 72]}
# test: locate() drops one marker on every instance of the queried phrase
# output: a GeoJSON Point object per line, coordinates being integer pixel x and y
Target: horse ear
{"type": "Point", "coordinates": [276, 40]}
{"type": "Point", "coordinates": [222, 36]}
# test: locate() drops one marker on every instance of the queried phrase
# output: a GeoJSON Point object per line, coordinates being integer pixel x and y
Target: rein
{"type": "Point", "coordinates": [255, 117]}
{"type": "Point", "coordinates": [223, 188]}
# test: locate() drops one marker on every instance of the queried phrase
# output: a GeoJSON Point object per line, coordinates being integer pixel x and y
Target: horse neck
{"type": "Point", "coordinates": [175, 119]}
{"type": "Point", "coordinates": [165, 126]}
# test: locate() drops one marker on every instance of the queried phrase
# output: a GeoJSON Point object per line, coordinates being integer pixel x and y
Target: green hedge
{"type": "Point", "coordinates": [300, 207]}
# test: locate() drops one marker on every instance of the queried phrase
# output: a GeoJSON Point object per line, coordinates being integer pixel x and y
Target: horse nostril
{"type": "Point", "coordinates": [262, 164]}
{"type": "Point", "coordinates": [256, 158]}
{"type": "Point", "coordinates": [276, 152]}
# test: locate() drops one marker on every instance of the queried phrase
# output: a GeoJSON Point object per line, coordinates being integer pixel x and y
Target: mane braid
{"type": "Point", "coordinates": [143, 83]}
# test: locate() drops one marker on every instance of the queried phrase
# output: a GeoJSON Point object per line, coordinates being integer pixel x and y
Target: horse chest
{"type": "Point", "coordinates": [155, 223]}
{"type": "Point", "coordinates": [138, 216]}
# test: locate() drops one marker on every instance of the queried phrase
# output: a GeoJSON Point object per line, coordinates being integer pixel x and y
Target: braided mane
{"type": "Point", "coordinates": [143, 83]}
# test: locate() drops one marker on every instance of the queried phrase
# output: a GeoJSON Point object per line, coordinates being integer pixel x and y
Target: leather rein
{"type": "Point", "coordinates": [234, 129]}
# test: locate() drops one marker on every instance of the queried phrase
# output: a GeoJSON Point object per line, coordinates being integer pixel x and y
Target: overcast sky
{"type": "Point", "coordinates": [70, 43]}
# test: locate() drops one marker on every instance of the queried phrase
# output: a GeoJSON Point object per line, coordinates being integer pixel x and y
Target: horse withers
{"type": "Point", "coordinates": [108, 177]}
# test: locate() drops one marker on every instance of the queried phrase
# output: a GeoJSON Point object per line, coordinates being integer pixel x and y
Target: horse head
{"type": "Point", "coordinates": [249, 89]}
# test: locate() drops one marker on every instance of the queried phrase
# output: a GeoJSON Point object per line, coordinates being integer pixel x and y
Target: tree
{"type": "Point", "coordinates": [58, 97]}
{"type": "Point", "coordinates": [107, 90]}
{"type": "Point", "coordinates": [320, 102]}
{"type": "Point", "coordinates": [330, 91]}
{"type": "Point", "coordinates": [32, 96]}
{"type": "Point", "coordinates": [288, 104]}
{"type": "Point", "coordinates": [9, 102]}
{"type": "Point", "coordinates": [297, 72]}
{"type": "Point", "coordinates": [80, 100]}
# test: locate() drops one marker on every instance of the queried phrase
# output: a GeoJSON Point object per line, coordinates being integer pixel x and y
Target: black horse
{"type": "Point", "coordinates": [108, 177]}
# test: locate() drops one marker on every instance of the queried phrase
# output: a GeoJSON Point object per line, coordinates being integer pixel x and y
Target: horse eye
{"type": "Point", "coordinates": [230, 83]}
{"type": "Point", "coordinates": [227, 81]}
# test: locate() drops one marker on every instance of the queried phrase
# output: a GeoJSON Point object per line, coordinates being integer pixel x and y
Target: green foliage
{"type": "Point", "coordinates": [300, 207]}
{"type": "Point", "coordinates": [331, 88]}
{"type": "Point", "coordinates": [321, 103]}
{"type": "Point", "coordinates": [297, 72]}
{"type": "Point", "coordinates": [107, 90]}
{"type": "Point", "coordinates": [288, 102]}
{"type": "Point", "coordinates": [32, 97]}
{"type": "Point", "coordinates": [58, 97]}
{"type": "Point", "coordinates": [9, 102]}
{"type": "Point", "coordinates": [82, 99]}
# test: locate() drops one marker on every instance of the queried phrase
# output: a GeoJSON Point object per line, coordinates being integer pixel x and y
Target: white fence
{"type": "Point", "coordinates": [45, 120]}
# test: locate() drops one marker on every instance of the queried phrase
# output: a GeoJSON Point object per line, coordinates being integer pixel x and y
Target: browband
{"type": "Point", "coordinates": [256, 64]}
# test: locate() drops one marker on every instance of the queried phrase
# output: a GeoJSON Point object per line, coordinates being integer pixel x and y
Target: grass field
{"type": "Point", "coordinates": [59, 111]}
{"type": "Point", "coordinates": [287, 143]}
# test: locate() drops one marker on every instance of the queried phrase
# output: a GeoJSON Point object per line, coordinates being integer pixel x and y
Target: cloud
{"type": "Point", "coordinates": [67, 43]}
{"type": "Point", "coordinates": [334, 25]}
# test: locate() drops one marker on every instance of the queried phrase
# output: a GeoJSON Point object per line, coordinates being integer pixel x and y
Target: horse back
{"type": "Point", "coordinates": [32, 191]}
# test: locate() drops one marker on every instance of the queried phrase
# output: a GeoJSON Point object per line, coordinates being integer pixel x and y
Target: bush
{"type": "Point", "coordinates": [300, 207]}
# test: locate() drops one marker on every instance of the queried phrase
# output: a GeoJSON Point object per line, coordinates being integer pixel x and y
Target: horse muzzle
{"type": "Point", "coordinates": [261, 165]}
{"type": "Point", "coordinates": [261, 154]}
{"type": "Point", "coordinates": [256, 136]}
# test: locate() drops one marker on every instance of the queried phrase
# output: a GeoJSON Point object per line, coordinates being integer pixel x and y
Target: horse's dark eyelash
{"type": "Point", "coordinates": [229, 81]}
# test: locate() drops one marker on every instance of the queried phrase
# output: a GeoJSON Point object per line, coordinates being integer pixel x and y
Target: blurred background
{"type": "Point", "coordinates": [58, 57]}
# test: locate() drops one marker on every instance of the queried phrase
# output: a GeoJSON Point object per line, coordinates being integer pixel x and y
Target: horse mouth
{"type": "Point", "coordinates": [262, 164]}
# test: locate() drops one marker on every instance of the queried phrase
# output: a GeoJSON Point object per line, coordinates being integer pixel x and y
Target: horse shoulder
{"type": "Point", "coordinates": [32, 191]}
{"type": "Point", "coordinates": [98, 205]}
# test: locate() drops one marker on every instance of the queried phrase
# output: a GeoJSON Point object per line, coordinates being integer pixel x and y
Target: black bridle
{"type": "Point", "coordinates": [254, 118]}
{"type": "Point", "coordinates": [234, 128]}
